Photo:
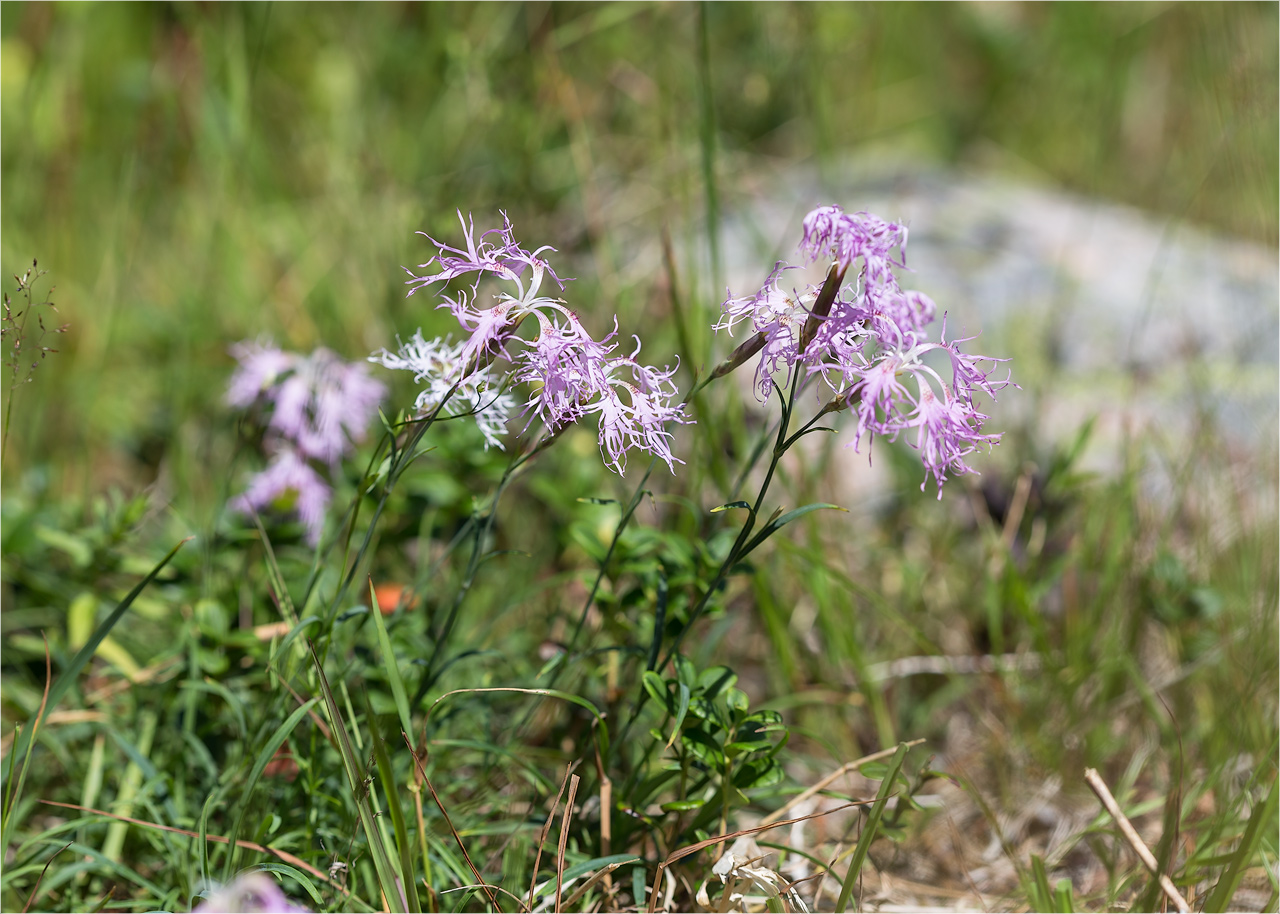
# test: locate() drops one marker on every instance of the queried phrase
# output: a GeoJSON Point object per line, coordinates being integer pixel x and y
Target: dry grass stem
{"type": "Point", "coordinates": [574, 780]}
{"type": "Point", "coordinates": [422, 773]}
{"type": "Point", "coordinates": [1131, 835]}
{"type": "Point", "coordinates": [830, 779]}
{"type": "Point", "coordinates": [219, 839]}
{"type": "Point", "coordinates": [542, 837]}
{"type": "Point", "coordinates": [720, 839]}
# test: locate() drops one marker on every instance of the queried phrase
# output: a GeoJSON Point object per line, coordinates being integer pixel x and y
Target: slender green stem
{"type": "Point", "coordinates": [731, 559]}
{"type": "Point", "coordinates": [482, 530]}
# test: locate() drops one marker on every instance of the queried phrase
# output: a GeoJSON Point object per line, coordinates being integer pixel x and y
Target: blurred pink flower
{"type": "Point", "coordinates": [317, 407]}
{"type": "Point", "coordinates": [249, 893]}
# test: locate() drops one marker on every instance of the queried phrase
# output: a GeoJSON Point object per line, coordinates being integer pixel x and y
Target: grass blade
{"type": "Point", "coordinates": [1261, 822]}
{"type": "Point", "coordinates": [872, 826]}
{"type": "Point", "coordinates": [260, 763]}
{"type": "Point", "coordinates": [68, 676]}
{"type": "Point", "coordinates": [389, 663]}
{"type": "Point", "coordinates": [405, 848]}
{"type": "Point", "coordinates": [480, 880]}
{"type": "Point", "coordinates": [387, 878]}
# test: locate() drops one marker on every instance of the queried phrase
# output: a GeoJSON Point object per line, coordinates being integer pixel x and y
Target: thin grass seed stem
{"type": "Point", "coordinates": [39, 879]}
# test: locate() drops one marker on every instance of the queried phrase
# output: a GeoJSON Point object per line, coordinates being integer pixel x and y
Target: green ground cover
{"type": "Point", "coordinates": [196, 175]}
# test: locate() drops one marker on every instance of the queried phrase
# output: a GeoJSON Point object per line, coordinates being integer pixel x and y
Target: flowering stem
{"type": "Point", "coordinates": [736, 552]}
{"type": "Point", "coordinates": [782, 442]}
{"type": "Point", "coordinates": [400, 458]}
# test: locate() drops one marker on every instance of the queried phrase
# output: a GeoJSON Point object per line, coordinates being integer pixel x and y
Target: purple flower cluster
{"type": "Point", "coordinates": [870, 345]}
{"type": "Point", "coordinates": [318, 406]}
{"type": "Point", "coordinates": [571, 374]}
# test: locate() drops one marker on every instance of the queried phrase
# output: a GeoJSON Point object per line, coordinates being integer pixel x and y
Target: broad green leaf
{"type": "Point", "coordinates": [683, 805]}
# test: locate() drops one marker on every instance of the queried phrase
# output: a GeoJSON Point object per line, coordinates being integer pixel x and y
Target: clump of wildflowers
{"type": "Point", "coordinates": [866, 340]}
{"type": "Point", "coordinates": [316, 407]}
{"type": "Point", "coordinates": [570, 373]}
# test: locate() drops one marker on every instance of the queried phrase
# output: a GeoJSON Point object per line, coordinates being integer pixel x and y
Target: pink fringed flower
{"type": "Point", "coordinates": [438, 364]}
{"type": "Point", "coordinates": [870, 340]}
{"type": "Point", "coordinates": [571, 374]}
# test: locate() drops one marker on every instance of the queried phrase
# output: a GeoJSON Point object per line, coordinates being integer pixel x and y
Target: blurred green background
{"type": "Point", "coordinates": [195, 174]}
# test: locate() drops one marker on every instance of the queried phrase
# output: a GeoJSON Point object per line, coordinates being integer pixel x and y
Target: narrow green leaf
{"type": "Point", "coordinates": [869, 830]}
{"type": "Point", "coordinates": [265, 755]}
{"type": "Point", "coordinates": [389, 664]}
{"type": "Point", "coordinates": [296, 874]}
{"type": "Point", "coordinates": [659, 621]}
{"type": "Point", "coordinates": [682, 709]}
{"type": "Point", "coordinates": [1041, 894]}
{"type": "Point", "coordinates": [656, 686]}
{"type": "Point", "coordinates": [777, 522]}
{"type": "Point", "coordinates": [733, 504]}
{"type": "Point", "coordinates": [392, 792]}
{"type": "Point", "coordinates": [1261, 822]}
{"type": "Point", "coordinates": [294, 633]}
{"type": "Point", "coordinates": [203, 829]}
{"type": "Point", "coordinates": [1063, 901]}
{"type": "Point", "coordinates": [386, 872]}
